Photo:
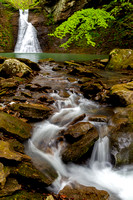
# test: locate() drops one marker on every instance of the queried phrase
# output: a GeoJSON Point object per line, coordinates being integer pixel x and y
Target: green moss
{"type": "Point", "coordinates": [24, 195]}
{"type": "Point", "coordinates": [6, 37]}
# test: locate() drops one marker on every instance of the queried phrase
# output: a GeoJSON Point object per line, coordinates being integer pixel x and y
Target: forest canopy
{"type": "Point", "coordinates": [21, 4]}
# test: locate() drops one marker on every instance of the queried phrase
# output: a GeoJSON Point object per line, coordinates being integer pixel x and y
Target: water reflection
{"type": "Point", "coordinates": [59, 57]}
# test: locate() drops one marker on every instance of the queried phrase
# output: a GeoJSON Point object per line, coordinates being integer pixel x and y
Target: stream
{"type": "Point", "coordinates": [44, 144]}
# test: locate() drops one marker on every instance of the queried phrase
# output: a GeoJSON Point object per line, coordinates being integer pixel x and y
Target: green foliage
{"type": "Point", "coordinates": [119, 8]}
{"type": "Point", "coordinates": [82, 24]}
{"type": "Point", "coordinates": [23, 4]}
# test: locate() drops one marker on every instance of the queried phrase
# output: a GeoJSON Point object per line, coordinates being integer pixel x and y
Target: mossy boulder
{"type": "Point", "coordinates": [87, 136]}
{"type": "Point", "coordinates": [13, 67]}
{"type": "Point", "coordinates": [14, 127]}
{"type": "Point", "coordinates": [32, 112]}
{"type": "Point", "coordinates": [10, 187]}
{"type": "Point", "coordinates": [4, 172]}
{"type": "Point", "coordinates": [24, 195]}
{"type": "Point", "coordinates": [122, 94]}
{"type": "Point", "coordinates": [28, 171]}
{"type": "Point", "coordinates": [80, 192]}
{"type": "Point", "coordinates": [7, 152]}
{"type": "Point", "coordinates": [34, 66]}
{"type": "Point", "coordinates": [120, 59]}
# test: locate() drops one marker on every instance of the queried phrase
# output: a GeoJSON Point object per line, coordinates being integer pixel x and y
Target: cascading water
{"type": "Point", "coordinates": [27, 41]}
{"type": "Point", "coordinates": [97, 171]}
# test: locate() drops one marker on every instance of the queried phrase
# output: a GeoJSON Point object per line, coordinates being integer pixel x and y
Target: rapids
{"type": "Point", "coordinates": [98, 170]}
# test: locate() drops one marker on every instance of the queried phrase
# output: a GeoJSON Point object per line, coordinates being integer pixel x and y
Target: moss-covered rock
{"type": "Point", "coordinates": [7, 152]}
{"type": "Point", "coordinates": [15, 127]}
{"type": "Point", "coordinates": [4, 172]}
{"type": "Point", "coordinates": [24, 195]}
{"type": "Point", "coordinates": [13, 67]}
{"type": "Point", "coordinates": [34, 66]}
{"type": "Point", "coordinates": [122, 94]}
{"type": "Point", "coordinates": [8, 83]}
{"type": "Point", "coordinates": [33, 112]}
{"type": "Point", "coordinates": [10, 187]}
{"type": "Point", "coordinates": [27, 170]}
{"type": "Point", "coordinates": [120, 59]}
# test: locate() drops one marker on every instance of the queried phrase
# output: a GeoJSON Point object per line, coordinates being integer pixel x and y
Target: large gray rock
{"type": "Point", "coordinates": [12, 67]}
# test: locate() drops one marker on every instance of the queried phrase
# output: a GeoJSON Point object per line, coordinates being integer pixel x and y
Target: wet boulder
{"type": "Point", "coordinates": [85, 136]}
{"type": "Point", "coordinates": [13, 67]}
{"type": "Point", "coordinates": [121, 136]}
{"type": "Point", "coordinates": [122, 94]}
{"type": "Point", "coordinates": [77, 131]}
{"type": "Point", "coordinates": [32, 112]}
{"type": "Point", "coordinates": [28, 171]}
{"type": "Point", "coordinates": [94, 90]}
{"type": "Point", "coordinates": [14, 127]}
{"type": "Point", "coordinates": [120, 59]}
{"type": "Point", "coordinates": [80, 192]}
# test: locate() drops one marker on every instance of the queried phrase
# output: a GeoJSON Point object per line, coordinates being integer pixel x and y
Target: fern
{"type": "Point", "coordinates": [82, 24]}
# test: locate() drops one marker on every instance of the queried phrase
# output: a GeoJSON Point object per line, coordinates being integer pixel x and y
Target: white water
{"type": "Point", "coordinates": [27, 41]}
{"type": "Point", "coordinates": [98, 171]}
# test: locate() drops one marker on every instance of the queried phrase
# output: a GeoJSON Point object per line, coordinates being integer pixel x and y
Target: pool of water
{"type": "Point", "coordinates": [59, 57]}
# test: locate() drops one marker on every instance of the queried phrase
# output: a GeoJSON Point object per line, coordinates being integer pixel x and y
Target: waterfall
{"type": "Point", "coordinates": [97, 171]}
{"type": "Point", "coordinates": [27, 41]}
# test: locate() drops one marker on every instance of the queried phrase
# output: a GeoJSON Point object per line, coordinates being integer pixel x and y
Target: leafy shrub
{"type": "Point", "coordinates": [82, 24]}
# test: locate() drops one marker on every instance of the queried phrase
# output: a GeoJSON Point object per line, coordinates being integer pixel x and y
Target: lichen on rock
{"type": "Point", "coordinates": [13, 67]}
{"type": "Point", "coordinates": [120, 59]}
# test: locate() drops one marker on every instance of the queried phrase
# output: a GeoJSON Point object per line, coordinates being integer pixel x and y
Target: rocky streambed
{"type": "Point", "coordinates": [25, 99]}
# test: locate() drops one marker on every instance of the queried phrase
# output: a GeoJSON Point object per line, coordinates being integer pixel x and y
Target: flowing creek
{"type": "Point", "coordinates": [45, 145]}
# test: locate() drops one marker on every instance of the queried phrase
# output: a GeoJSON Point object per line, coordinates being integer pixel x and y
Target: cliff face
{"type": "Point", "coordinates": [62, 9]}
{"type": "Point", "coordinates": [6, 33]}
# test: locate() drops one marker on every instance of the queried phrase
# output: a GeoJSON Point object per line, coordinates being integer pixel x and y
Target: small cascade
{"type": "Point", "coordinates": [27, 41]}
{"type": "Point", "coordinates": [97, 171]}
